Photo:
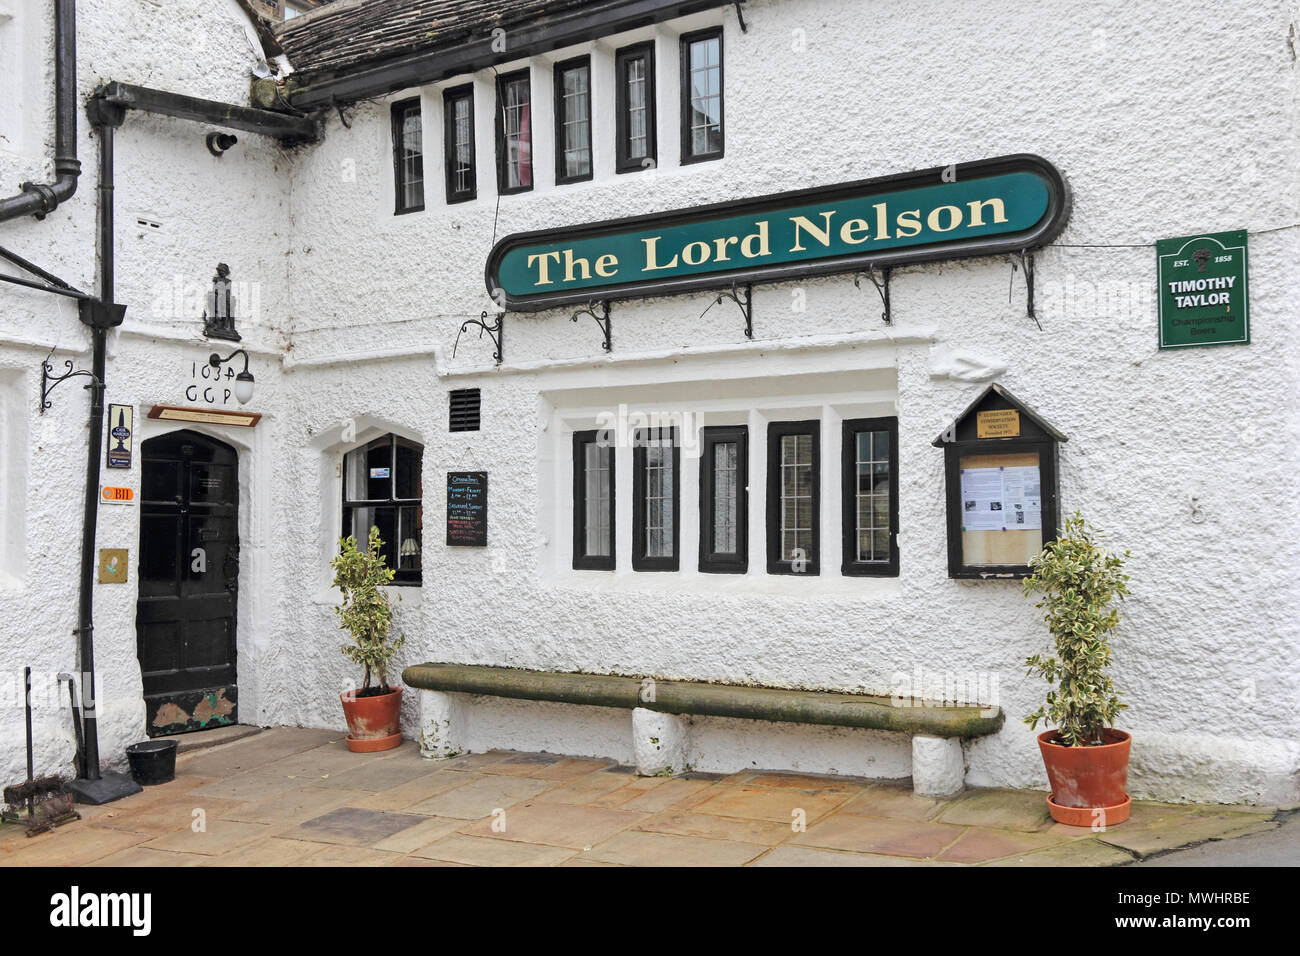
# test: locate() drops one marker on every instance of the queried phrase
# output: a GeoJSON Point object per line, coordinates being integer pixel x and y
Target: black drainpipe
{"type": "Point", "coordinates": [40, 199]}
{"type": "Point", "coordinates": [93, 786]}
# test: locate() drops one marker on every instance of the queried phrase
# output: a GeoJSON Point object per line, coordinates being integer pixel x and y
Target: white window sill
{"type": "Point", "coordinates": [750, 584]}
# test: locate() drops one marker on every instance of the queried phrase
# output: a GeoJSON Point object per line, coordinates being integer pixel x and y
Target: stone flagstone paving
{"type": "Point", "coordinates": [295, 797]}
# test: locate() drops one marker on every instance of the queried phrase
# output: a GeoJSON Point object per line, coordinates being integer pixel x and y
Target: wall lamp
{"type": "Point", "coordinates": [243, 381]}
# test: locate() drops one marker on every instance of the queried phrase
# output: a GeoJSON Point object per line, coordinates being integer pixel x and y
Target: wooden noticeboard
{"type": "Point", "coordinates": [467, 509]}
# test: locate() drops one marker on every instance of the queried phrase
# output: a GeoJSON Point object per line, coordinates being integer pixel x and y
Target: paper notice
{"type": "Point", "coordinates": [1001, 499]}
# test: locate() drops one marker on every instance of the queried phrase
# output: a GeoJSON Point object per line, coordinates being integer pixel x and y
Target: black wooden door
{"type": "Point", "coordinates": [189, 574]}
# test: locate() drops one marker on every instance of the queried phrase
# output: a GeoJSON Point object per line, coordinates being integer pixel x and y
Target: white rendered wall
{"type": "Point", "coordinates": [358, 310]}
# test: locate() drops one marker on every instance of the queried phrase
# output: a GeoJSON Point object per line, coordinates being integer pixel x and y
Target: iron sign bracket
{"type": "Point", "coordinates": [496, 332]}
{"type": "Point", "coordinates": [744, 301]}
{"type": "Point", "coordinates": [48, 381]}
{"type": "Point", "coordinates": [602, 319]}
{"type": "Point", "coordinates": [882, 288]}
{"type": "Point", "coordinates": [1026, 259]}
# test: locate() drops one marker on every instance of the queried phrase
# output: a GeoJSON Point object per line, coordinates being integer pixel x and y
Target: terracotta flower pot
{"type": "Point", "coordinates": [373, 722]}
{"type": "Point", "coordinates": [1084, 779]}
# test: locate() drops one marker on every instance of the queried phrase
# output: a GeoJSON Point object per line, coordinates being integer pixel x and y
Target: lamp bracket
{"type": "Point", "coordinates": [1026, 259]}
{"type": "Point", "coordinates": [602, 319]}
{"type": "Point", "coordinates": [496, 332]}
{"type": "Point", "coordinates": [48, 381]}
{"type": "Point", "coordinates": [744, 301]}
{"type": "Point", "coordinates": [216, 361]}
{"type": "Point", "coordinates": [882, 288]}
{"type": "Point", "coordinates": [740, 16]}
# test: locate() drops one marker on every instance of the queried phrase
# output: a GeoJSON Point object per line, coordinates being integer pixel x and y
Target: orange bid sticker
{"type": "Point", "coordinates": [117, 496]}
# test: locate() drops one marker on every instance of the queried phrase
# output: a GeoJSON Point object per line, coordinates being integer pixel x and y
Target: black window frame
{"type": "Point", "coordinates": [775, 432]}
{"type": "Point", "coordinates": [401, 578]}
{"type": "Point", "coordinates": [711, 560]}
{"type": "Point", "coordinates": [623, 162]}
{"type": "Point", "coordinates": [850, 565]}
{"type": "Point", "coordinates": [450, 97]}
{"type": "Point", "coordinates": [687, 157]}
{"type": "Point", "coordinates": [557, 107]}
{"type": "Point", "coordinates": [398, 112]}
{"type": "Point", "coordinates": [502, 162]}
{"type": "Point", "coordinates": [581, 560]}
{"type": "Point", "coordinates": [640, 560]}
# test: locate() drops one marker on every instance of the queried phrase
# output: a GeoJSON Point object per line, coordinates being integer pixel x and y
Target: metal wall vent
{"type": "Point", "coordinates": [463, 415]}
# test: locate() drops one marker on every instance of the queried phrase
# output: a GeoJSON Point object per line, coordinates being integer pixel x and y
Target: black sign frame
{"type": "Point", "coordinates": [477, 484]}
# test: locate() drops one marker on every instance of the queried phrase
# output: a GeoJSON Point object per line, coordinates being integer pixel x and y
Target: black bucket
{"type": "Point", "coordinates": [152, 762]}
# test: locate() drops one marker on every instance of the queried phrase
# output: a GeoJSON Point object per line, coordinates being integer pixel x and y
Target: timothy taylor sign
{"type": "Point", "coordinates": [969, 209]}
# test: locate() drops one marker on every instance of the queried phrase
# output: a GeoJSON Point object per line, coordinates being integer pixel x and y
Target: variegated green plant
{"type": "Point", "coordinates": [364, 611]}
{"type": "Point", "coordinates": [1079, 580]}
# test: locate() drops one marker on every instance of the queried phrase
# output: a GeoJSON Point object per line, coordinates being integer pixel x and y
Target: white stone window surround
{"type": "Point", "coordinates": [736, 399]}
{"type": "Point", "coordinates": [330, 449]}
{"type": "Point", "coordinates": [666, 38]}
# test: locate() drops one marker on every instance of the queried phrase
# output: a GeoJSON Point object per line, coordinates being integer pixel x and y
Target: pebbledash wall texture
{"type": "Point", "coordinates": [1165, 121]}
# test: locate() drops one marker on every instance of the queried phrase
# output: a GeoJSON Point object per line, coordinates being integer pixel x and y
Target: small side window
{"type": "Point", "coordinates": [408, 156]}
{"type": "Point", "coordinates": [634, 105]}
{"type": "Point", "coordinates": [573, 120]}
{"type": "Point", "coordinates": [382, 487]}
{"type": "Point", "coordinates": [702, 126]}
{"type": "Point", "coordinates": [656, 491]}
{"type": "Point", "coordinates": [793, 498]}
{"type": "Point", "coordinates": [724, 500]}
{"type": "Point", "coordinates": [870, 490]}
{"type": "Point", "coordinates": [593, 502]}
{"type": "Point", "coordinates": [458, 143]}
{"type": "Point", "coordinates": [514, 133]}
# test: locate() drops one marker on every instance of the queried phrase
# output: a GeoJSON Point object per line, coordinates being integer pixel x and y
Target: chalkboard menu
{"type": "Point", "coordinates": [467, 508]}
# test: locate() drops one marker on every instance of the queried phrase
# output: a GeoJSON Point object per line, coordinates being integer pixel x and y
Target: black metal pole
{"type": "Point", "coordinates": [27, 703]}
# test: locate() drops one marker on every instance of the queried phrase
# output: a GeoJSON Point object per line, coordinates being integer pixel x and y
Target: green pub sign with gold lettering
{"type": "Point", "coordinates": [1203, 295]}
{"type": "Point", "coordinates": [1010, 204]}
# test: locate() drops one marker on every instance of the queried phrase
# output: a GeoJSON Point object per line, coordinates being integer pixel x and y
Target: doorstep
{"type": "Point", "coordinates": [203, 739]}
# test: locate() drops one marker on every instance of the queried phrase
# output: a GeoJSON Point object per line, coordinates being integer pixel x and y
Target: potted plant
{"type": "Point", "coordinates": [1086, 758]}
{"type": "Point", "coordinates": [372, 712]}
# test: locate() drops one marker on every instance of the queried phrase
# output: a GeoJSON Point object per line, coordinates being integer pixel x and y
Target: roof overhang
{"type": "Point", "coordinates": [310, 90]}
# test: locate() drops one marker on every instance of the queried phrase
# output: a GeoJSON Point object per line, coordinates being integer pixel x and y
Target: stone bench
{"type": "Point", "coordinates": [658, 706]}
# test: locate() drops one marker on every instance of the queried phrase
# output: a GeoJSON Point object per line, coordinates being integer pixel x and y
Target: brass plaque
{"type": "Point", "coordinates": [112, 565]}
{"type": "Point", "coordinates": [999, 423]}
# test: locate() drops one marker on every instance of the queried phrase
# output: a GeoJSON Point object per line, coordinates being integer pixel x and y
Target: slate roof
{"type": "Point", "coordinates": [349, 33]}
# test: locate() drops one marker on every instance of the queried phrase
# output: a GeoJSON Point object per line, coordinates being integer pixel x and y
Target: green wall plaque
{"type": "Point", "coordinates": [1203, 295]}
